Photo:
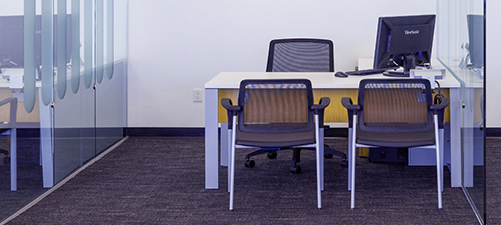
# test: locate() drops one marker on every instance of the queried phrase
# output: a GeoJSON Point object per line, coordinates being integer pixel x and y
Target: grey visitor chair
{"type": "Point", "coordinates": [396, 113]}
{"type": "Point", "coordinates": [298, 55]}
{"type": "Point", "coordinates": [9, 128]}
{"type": "Point", "coordinates": [275, 114]}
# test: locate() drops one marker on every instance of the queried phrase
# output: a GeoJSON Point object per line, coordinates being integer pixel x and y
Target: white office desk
{"type": "Point", "coordinates": [231, 80]}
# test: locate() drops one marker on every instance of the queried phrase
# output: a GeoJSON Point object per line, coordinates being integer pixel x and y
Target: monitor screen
{"type": "Point", "coordinates": [404, 42]}
{"type": "Point", "coordinates": [12, 41]}
{"type": "Point", "coordinates": [476, 40]}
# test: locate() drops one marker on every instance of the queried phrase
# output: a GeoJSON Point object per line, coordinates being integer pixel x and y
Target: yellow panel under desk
{"type": "Point", "coordinates": [22, 115]}
{"type": "Point", "coordinates": [334, 113]}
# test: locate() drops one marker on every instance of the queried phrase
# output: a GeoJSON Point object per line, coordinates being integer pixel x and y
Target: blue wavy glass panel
{"type": "Point", "coordinates": [110, 9]}
{"type": "Point", "coordinates": [99, 41]}
{"type": "Point", "coordinates": [88, 35]}
{"type": "Point", "coordinates": [29, 54]}
{"type": "Point", "coordinates": [61, 48]}
{"type": "Point", "coordinates": [75, 45]}
{"type": "Point", "coordinates": [47, 51]}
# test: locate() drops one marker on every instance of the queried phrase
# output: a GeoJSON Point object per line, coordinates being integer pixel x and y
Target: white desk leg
{"type": "Point", "coordinates": [13, 159]}
{"type": "Point", "coordinates": [211, 139]}
{"type": "Point", "coordinates": [468, 137]}
{"type": "Point", "coordinates": [46, 147]}
{"type": "Point", "coordinates": [455, 121]}
{"type": "Point", "coordinates": [225, 143]}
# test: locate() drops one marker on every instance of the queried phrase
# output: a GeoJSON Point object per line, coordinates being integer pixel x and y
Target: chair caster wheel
{"type": "Point", "coordinates": [272, 155]}
{"type": "Point", "coordinates": [6, 160]}
{"type": "Point", "coordinates": [328, 156]}
{"type": "Point", "coordinates": [296, 169]}
{"type": "Point", "coordinates": [250, 163]}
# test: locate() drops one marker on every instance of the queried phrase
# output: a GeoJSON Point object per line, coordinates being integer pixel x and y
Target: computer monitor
{"type": "Point", "coordinates": [476, 40]}
{"type": "Point", "coordinates": [404, 42]}
{"type": "Point", "coordinates": [12, 41]}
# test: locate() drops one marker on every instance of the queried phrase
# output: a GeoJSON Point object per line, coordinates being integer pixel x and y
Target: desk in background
{"type": "Point", "coordinates": [324, 84]}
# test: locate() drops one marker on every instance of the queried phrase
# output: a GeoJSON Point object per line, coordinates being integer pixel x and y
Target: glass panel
{"type": "Point", "coordinates": [61, 40]}
{"type": "Point", "coordinates": [110, 38]}
{"type": "Point", "coordinates": [75, 45]}
{"type": "Point", "coordinates": [110, 102]}
{"type": "Point", "coordinates": [88, 42]}
{"type": "Point", "coordinates": [461, 50]}
{"type": "Point", "coordinates": [29, 55]}
{"type": "Point", "coordinates": [99, 41]}
{"type": "Point", "coordinates": [47, 50]}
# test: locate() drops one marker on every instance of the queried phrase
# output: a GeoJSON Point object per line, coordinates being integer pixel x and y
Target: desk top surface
{"type": "Point", "coordinates": [231, 80]}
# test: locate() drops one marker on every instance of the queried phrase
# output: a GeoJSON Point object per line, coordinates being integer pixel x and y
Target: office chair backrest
{"type": "Point", "coordinates": [300, 55]}
{"type": "Point", "coordinates": [396, 105]}
{"type": "Point", "coordinates": [275, 106]}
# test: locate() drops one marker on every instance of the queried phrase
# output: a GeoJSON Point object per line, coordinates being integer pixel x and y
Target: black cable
{"type": "Point", "coordinates": [438, 97]}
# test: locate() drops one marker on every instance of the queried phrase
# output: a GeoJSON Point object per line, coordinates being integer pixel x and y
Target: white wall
{"type": "Point", "coordinates": [493, 59]}
{"type": "Point", "coordinates": [176, 46]}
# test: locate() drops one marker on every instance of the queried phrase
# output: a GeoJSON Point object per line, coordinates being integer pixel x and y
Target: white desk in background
{"type": "Point", "coordinates": [320, 81]}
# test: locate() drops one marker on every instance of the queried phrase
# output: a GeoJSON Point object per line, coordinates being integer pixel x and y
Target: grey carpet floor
{"type": "Point", "coordinates": [161, 181]}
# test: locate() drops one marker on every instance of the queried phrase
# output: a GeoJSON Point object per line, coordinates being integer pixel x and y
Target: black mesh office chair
{"type": "Point", "coordinates": [397, 113]}
{"type": "Point", "coordinates": [275, 114]}
{"type": "Point", "coordinates": [10, 128]}
{"type": "Point", "coordinates": [299, 55]}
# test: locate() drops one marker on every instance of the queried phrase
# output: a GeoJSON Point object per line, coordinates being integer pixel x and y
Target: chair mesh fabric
{"type": "Point", "coordinates": [275, 111]}
{"type": "Point", "coordinates": [398, 106]}
{"type": "Point", "coordinates": [395, 113]}
{"type": "Point", "coordinates": [301, 55]}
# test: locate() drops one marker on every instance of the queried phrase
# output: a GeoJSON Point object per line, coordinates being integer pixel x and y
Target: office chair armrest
{"type": "Point", "coordinates": [352, 109]}
{"type": "Point", "coordinates": [348, 104]}
{"type": "Point", "coordinates": [232, 110]}
{"type": "Point", "coordinates": [436, 108]}
{"type": "Point", "coordinates": [13, 109]}
{"type": "Point", "coordinates": [228, 105]}
{"type": "Point", "coordinates": [322, 104]}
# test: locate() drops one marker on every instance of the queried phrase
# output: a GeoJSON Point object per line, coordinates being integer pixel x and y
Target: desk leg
{"type": "Point", "coordinates": [13, 159]}
{"type": "Point", "coordinates": [211, 139]}
{"type": "Point", "coordinates": [455, 117]}
{"type": "Point", "coordinates": [46, 148]}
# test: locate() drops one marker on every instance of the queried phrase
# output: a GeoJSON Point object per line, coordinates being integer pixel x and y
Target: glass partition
{"type": "Point", "coordinates": [460, 38]}
{"type": "Point", "coordinates": [72, 101]}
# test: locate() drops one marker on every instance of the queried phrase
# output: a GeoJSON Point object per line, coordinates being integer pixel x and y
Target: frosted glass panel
{"type": "Point", "coordinates": [61, 48]}
{"type": "Point", "coordinates": [88, 42]}
{"type": "Point", "coordinates": [29, 55]}
{"type": "Point", "coordinates": [47, 51]}
{"type": "Point", "coordinates": [75, 45]}
{"type": "Point", "coordinates": [110, 29]}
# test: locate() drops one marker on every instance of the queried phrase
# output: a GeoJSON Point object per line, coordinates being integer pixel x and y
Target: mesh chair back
{"type": "Point", "coordinates": [300, 55]}
{"type": "Point", "coordinates": [400, 105]}
{"type": "Point", "coordinates": [275, 106]}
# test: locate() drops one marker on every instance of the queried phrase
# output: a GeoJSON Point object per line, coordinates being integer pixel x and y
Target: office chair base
{"type": "Point", "coordinates": [272, 155]}
{"type": "Point", "coordinates": [296, 169]}
{"type": "Point", "coordinates": [250, 163]}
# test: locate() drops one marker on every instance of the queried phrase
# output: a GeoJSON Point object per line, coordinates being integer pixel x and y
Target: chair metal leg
{"type": "Point", "coordinates": [232, 162]}
{"type": "Point", "coordinates": [439, 160]}
{"type": "Point", "coordinates": [318, 154]}
{"type": "Point", "coordinates": [352, 160]}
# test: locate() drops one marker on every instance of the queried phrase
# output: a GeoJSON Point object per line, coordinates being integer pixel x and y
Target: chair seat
{"type": "Point", "coordinates": [396, 140]}
{"type": "Point", "coordinates": [275, 140]}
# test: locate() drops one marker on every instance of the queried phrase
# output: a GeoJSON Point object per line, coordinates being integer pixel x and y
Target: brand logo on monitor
{"type": "Point", "coordinates": [409, 32]}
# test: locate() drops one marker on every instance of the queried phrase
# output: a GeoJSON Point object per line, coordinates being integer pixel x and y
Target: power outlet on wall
{"type": "Point", "coordinates": [198, 95]}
